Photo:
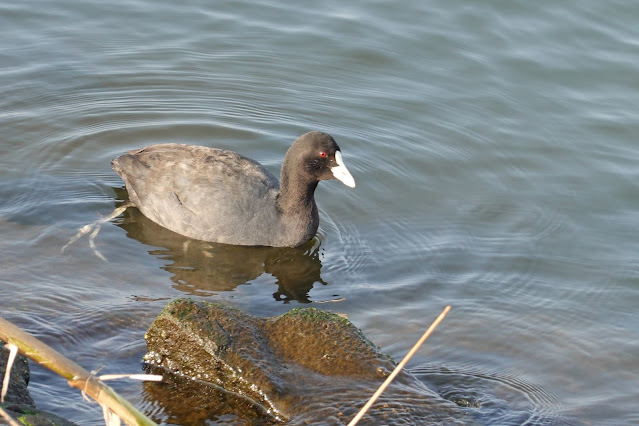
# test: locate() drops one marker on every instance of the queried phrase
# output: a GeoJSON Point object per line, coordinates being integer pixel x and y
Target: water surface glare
{"type": "Point", "coordinates": [495, 154]}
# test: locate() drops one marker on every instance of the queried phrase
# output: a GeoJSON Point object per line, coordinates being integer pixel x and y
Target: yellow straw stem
{"type": "Point", "coordinates": [399, 367]}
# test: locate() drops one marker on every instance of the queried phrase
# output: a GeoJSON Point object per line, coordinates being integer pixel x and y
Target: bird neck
{"type": "Point", "coordinates": [297, 193]}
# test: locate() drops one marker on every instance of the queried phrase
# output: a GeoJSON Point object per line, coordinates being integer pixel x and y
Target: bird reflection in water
{"type": "Point", "coordinates": [202, 268]}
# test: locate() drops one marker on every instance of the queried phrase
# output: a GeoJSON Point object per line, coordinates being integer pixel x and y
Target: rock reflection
{"type": "Point", "coordinates": [203, 268]}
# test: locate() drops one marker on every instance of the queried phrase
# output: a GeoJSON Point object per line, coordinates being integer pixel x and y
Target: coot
{"type": "Point", "coordinates": [218, 195]}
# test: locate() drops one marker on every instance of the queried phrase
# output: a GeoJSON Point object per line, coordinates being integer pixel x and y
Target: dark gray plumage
{"type": "Point", "coordinates": [218, 195]}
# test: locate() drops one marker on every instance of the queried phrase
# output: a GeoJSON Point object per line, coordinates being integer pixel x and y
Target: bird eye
{"type": "Point", "coordinates": [322, 154]}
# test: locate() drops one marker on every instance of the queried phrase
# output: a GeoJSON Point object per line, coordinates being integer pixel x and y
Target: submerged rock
{"type": "Point", "coordinates": [306, 366]}
{"type": "Point", "coordinates": [18, 402]}
{"type": "Point", "coordinates": [18, 393]}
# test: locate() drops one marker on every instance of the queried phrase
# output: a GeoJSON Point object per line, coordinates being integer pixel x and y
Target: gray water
{"type": "Point", "coordinates": [493, 144]}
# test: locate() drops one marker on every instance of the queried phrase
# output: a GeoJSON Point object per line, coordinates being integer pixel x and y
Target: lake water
{"type": "Point", "coordinates": [494, 145]}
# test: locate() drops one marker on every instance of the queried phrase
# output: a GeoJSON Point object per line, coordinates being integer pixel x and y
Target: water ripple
{"type": "Point", "coordinates": [496, 397]}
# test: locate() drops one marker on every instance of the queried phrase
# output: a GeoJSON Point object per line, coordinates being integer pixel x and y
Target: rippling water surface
{"type": "Point", "coordinates": [493, 144]}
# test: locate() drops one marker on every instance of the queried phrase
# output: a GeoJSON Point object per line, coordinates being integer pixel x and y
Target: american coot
{"type": "Point", "coordinates": [217, 195]}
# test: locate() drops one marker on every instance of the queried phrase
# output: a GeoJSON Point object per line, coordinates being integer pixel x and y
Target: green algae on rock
{"type": "Point", "coordinates": [304, 366]}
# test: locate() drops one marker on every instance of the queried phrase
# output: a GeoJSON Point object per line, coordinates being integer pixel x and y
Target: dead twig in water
{"type": "Point", "coordinates": [94, 228]}
{"type": "Point", "coordinates": [77, 376]}
{"type": "Point", "coordinates": [397, 369]}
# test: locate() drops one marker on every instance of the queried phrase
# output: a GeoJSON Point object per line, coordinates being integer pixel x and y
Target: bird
{"type": "Point", "coordinates": [220, 196]}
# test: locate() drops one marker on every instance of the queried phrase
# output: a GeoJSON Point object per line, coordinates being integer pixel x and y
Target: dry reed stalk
{"type": "Point", "coordinates": [76, 376]}
{"type": "Point", "coordinates": [397, 369]}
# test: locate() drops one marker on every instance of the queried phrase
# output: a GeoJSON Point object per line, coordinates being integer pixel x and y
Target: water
{"type": "Point", "coordinates": [494, 149]}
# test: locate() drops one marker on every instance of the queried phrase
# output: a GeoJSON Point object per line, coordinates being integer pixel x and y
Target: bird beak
{"type": "Point", "coordinates": [341, 172]}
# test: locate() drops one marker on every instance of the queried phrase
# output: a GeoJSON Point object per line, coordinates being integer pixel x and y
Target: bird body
{"type": "Point", "coordinates": [221, 196]}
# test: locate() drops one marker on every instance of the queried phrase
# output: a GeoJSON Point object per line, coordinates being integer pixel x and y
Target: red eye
{"type": "Point", "coordinates": [322, 154]}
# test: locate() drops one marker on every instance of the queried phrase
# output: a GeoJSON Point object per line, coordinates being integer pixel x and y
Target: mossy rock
{"type": "Point", "coordinates": [18, 402]}
{"type": "Point", "coordinates": [305, 366]}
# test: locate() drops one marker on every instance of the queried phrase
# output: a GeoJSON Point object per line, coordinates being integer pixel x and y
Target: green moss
{"type": "Point", "coordinates": [317, 316]}
{"type": "Point", "coordinates": [23, 419]}
{"type": "Point", "coordinates": [314, 314]}
{"type": "Point", "coordinates": [188, 309]}
{"type": "Point", "coordinates": [179, 307]}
